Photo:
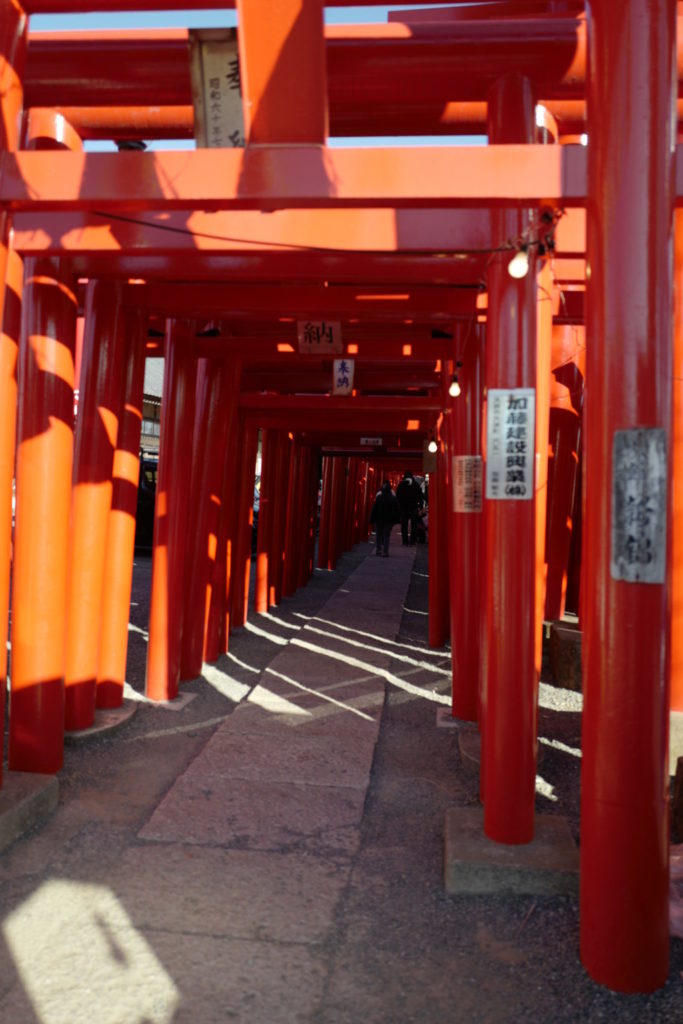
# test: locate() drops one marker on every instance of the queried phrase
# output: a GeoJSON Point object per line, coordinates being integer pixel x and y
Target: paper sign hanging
{"type": "Point", "coordinates": [343, 377]}
{"type": "Point", "coordinates": [319, 336]}
{"type": "Point", "coordinates": [510, 433]}
{"type": "Point", "coordinates": [467, 474]}
{"type": "Point", "coordinates": [216, 88]}
{"type": "Point", "coordinates": [639, 501]}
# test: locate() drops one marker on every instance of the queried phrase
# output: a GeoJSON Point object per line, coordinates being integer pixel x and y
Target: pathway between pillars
{"type": "Point", "coordinates": [265, 854]}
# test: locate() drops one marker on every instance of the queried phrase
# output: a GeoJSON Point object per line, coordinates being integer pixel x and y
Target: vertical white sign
{"type": "Point", "coordinates": [510, 433]}
{"type": "Point", "coordinates": [216, 88]}
{"type": "Point", "coordinates": [342, 377]}
{"type": "Point", "coordinates": [639, 497]}
{"type": "Point", "coordinates": [467, 480]}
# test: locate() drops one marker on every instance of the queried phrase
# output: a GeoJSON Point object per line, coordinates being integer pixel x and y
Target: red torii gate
{"type": "Point", "coordinates": [96, 215]}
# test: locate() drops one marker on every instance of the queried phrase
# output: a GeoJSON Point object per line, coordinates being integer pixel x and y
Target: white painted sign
{"type": "Point", "coordinates": [342, 377]}
{"type": "Point", "coordinates": [510, 432]}
{"type": "Point", "coordinates": [319, 336]}
{"type": "Point", "coordinates": [467, 481]}
{"type": "Point", "coordinates": [216, 88]}
{"type": "Point", "coordinates": [639, 496]}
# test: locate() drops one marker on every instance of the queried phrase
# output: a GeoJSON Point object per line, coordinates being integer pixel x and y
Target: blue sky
{"type": "Point", "coordinates": [228, 19]}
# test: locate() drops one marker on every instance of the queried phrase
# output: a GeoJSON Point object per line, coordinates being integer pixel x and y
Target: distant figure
{"type": "Point", "coordinates": [410, 500]}
{"type": "Point", "coordinates": [385, 513]}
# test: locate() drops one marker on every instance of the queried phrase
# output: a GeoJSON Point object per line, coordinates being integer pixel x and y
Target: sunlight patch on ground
{"type": "Point", "coordinates": [372, 636]}
{"type": "Point", "coordinates": [243, 664]}
{"type": "Point", "coordinates": [558, 745]}
{"type": "Point", "coordinates": [377, 650]}
{"type": "Point", "coordinates": [224, 684]}
{"type": "Point", "coordinates": [270, 701]}
{"type": "Point", "coordinates": [317, 693]}
{"type": "Point", "coordinates": [545, 789]}
{"type": "Point", "coordinates": [394, 680]}
{"type": "Point", "coordinates": [555, 698]}
{"type": "Point", "coordinates": [414, 611]}
{"type": "Point", "coordinates": [80, 958]}
{"type": "Point", "coordinates": [265, 634]}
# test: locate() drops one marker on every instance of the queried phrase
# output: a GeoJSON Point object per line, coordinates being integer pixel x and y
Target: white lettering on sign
{"type": "Point", "coordinates": [319, 336]}
{"type": "Point", "coordinates": [639, 496]}
{"type": "Point", "coordinates": [217, 92]}
{"type": "Point", "coordinates": [342, 376]}
{"type": "Point", "coordinates": [510, 432]}
{"type": "Point", "coordinates": [467, 479]}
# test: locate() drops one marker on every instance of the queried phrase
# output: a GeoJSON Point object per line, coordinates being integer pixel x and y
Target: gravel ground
{"type": "Point", "coordinates": [401, 950]}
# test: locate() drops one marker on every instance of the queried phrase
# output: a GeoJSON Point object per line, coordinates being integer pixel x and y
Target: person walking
{"type": "Point", "coordinates": [410, 501]}
{"type": "Point", "coordinates": [385, 513]}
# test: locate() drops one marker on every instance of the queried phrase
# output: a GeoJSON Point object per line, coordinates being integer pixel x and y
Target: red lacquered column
{"type": "Point", "coordinates": [325, 509]}
{"type": "Point", "coordinates": [509, 712]}
{"type": "Point", "coordinates": [118, 562]}
{"type": "Point", "coordinates": [626, 656]}
{"type": "Point", "coordinates": [99, 405]}
{"type": "Point", "coordinates": [9, 350]}
{"type": "Point", "coordinates": [566, 399]}
{"type": "Point", "coordinates": [281, 485]}
{"type": "Point", "coordinates": [677, 483]}
{"type": "Point", "coordinates": [465, 541]}
{"type": "Point", "coordinates": [265, 519]}
{"type": "Point", "coordinates": [438, 556]}
{"type": "Point", "coordinates": [244, 519]}
{"type": "Point", "coordinates": [544, 329]}
{"type": "Point", "coordinates": [170, 513]}
{"type": "Point", "coordinates": [43, 485]}
{"type": "Point", "coordinates": [294, 518]}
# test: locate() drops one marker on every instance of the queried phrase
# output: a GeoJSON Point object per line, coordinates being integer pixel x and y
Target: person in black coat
{"type": "Point", "coordinates": [410, 500]}
{"type": "Point", "coordinates": [385, 513]}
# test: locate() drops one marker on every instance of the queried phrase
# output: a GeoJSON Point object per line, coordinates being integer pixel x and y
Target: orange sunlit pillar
{"type": "Point", "coordinates": [510, 691]}
{"type": "Point", "coordinates": [544, 333]}
{"type": "Point", "coordinates": [44, 462]}
{"type": "Point", "coordinates": [170, 513]}
{"type": "Point", "coordinates": [265, 519]}
{"type": "Point", "coordinates": [566, 399]}
{"type": "Point", "coordinates": [677, 481]}
{"type": "Point", "coordinates": [118, 562]}
{"type": "Point", "coordinates": [9, 350]}
{"type": "Point", "coordinates": [96, 433]}
{"type": "Point", "coordinates": [465, 539]}
{"type": "Point", "coordinates": [210, 437]}
{"type": "Point", "coordinates": [13, 38]}
{"type": "Point", "coordinates": [247, 434]}
{"type": "Point", "coordinates": [624, 908]}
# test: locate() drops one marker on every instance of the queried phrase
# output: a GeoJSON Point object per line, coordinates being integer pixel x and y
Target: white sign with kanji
{"type": "Point", "coordinates": [467, 483]}
{"type": "Point", "coordinates": [216, 87]}
{"type": "Point", "coordinates": [510, 433]}
{"type": "Point", "coordinates": [342, 379]}
{"type": "Point", "coordinates": [319, 336]}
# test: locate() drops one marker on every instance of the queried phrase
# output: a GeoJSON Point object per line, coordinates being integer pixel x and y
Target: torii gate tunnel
{"type": "Point", "coordinates": [256, 259]}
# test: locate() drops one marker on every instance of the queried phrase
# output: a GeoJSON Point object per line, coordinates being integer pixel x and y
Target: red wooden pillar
{"type": "Point", "coordinates": [280, 502]}
{"type": "Point", "coordinates": [13, 37]}
{"type": "Point", "coordinates": [9, 350]}
{"type": "Point", "coordinates": [222, 525]}
{"type": "Point", "coordinates": [336, 506]}
{"type": "Point", "coordinates": [466, 530]}
{"type": "Point", "coordinates": [308, 561]}
{"type": "Point", "coordinates": [438, 554]}
{"type": "Point", "coordinates": [544, 328]}
{"type": "Point", "coordinates": [265, 520]}
{"type": "Point", "coordinates": [325, 512]}
{"type": "Point", "coordinates": [210, 437]}
{"type": "Point", "coordinates": [624, 783]}
{"type": "Point", "coordinates": [677, 482]}
{"type": "Point", "coordinates": [247, 434]}
{"type": "Point", "coordinates": [96, 433]}
{"type": "Point", "coordinates": [43, 503]}
{"type": "Point", "coordinates": [509, 708]}
{"type": "Point", "coordinates": [118, 562]}
{"type": "Point", "coordinates": [170, 513]}
{"type": "Point", "coordinates": [295, 512]}
{"type": "Point", "coordinates": [566, 399]}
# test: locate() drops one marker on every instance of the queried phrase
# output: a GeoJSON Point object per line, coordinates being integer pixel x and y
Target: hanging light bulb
{"type": "Point", "coordinates": [432, 446]}
{"type": "Point", "coordinates": [454, 389]}
{"type": "Point", "coordinates": [518, 266]}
